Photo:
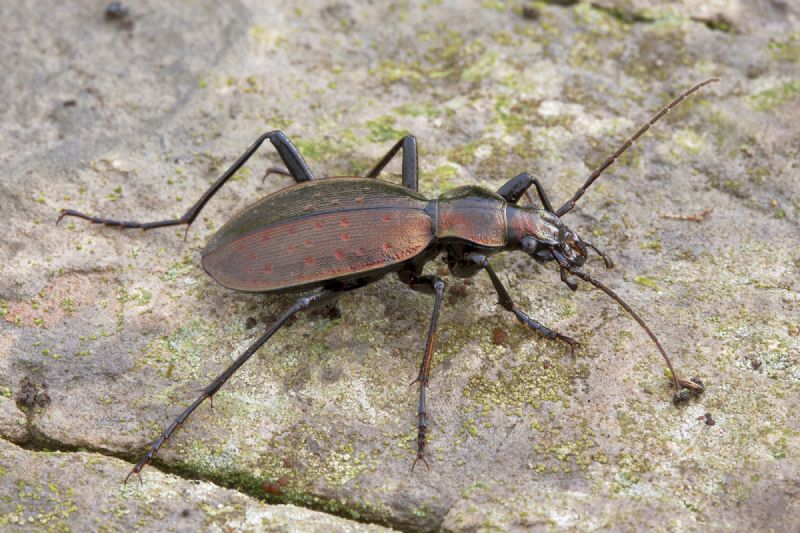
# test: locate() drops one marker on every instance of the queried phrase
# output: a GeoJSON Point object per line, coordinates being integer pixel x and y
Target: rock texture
{"type": "Point", "coordinates": [105, 335]}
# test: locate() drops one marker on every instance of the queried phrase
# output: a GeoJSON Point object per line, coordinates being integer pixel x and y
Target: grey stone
{"type": "Point", "coordinates": [63, 491]}
{"type": "Point", "coordinates": [134, 118]}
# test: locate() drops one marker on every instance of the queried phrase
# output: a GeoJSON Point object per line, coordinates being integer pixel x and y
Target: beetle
{"type": "Point", "coordinates": [324, 237]}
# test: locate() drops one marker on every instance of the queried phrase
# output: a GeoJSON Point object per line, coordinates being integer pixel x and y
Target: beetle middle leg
{"type": "Point", "coordinates": [429, 285]}
{"type": "Point", "coordinates": [513, 190]}
{"type": "Point", "coordinates": [410, 162]}
{"type": "Point", "coordinates": [505, 300]}
{"type": "Point", "coordinates": [302, 304]}
{"type": "Point", "coordinates": [291, 157]}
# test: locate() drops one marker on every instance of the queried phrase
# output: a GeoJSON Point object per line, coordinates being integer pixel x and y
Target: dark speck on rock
{"type": "Point", "coordinates": [250, 323]}
{"type": "Point", "coordinates": [116, 11]}
{"type": "Point", "coordinates": [530, 12]}
{"type": "Point", "coordinates": [499, 336]}
{"type": "Point", "coordinates": [26, 394]}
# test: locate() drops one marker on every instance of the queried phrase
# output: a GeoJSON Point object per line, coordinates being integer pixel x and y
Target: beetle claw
{"type": "Point", "coordinates": [420, 457]}
{"type": "Point", "coordinates": [135, 470]}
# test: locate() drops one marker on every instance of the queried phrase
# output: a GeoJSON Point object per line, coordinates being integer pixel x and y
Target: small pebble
{"type": "Point", "coordinates": [116, 11]}
{"type": "Point", "coordinates": [529, 12]}
{"type": "Point", "coordinates": [499, 336]}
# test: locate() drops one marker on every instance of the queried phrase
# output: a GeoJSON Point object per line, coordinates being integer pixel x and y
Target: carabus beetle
{"type": "Point", "coordinates": [327, 236]}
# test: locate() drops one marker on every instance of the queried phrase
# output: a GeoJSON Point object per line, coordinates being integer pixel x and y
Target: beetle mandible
{"type": "Point", "coordinates": [328, 236]}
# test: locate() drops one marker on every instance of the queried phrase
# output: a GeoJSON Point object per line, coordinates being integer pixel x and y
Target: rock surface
{"type": "Point", "coordinates": [105, 335]}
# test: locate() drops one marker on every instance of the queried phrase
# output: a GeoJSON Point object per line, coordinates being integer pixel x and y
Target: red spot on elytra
{"type": "Point", "coordinates": [344, 222]}
{"type": "Point", "coordinates": [345, 236]}
{"type": "Point", "coordinates": [360, 252]}
{"type": "Point", "coordinates": [291, 247]}
{"type": "Point", "coordinates": [265, 238]}
{"type": "Point", "coordinates": [252, 256]}
{"type": "Point", "coordinates": [267, 268]}
{"type": "Point", "coordinates": [307, 242]}
{"type": "Point", "coordinates": [318, 225]}
{"type": "Point", "coordinates": [309, 260]}
{"type": "Point", "coordinates": [339, 254]}
{"type": "Point", "coordinates": [386, 218]}
{"type": "Point", "coordinates": [387, 246]}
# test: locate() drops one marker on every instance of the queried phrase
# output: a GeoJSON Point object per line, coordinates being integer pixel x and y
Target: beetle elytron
{"type": "Point", "coordinates": [328, 236]}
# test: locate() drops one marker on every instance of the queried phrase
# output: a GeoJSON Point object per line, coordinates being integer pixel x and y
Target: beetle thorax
{"type": "Point", "coordinates": [526, 221]}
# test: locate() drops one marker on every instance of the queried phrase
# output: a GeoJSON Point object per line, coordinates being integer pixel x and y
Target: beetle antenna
{"type": "Point", "coordinates": [567, 207]}
{"type": "Point", "coordinates": [676, 381]}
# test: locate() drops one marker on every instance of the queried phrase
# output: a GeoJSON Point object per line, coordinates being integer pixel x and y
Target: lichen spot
{"type": "Point", "coordinates": [345, 236]}
{"type": "Point", "coordinates": [339, 255]}
{"type": "Point", "coordinates": [360, 200]}
{"type": "Point", "coordinates": [387, 246]}
{"type": "Point", "coordinates": [307, 242]}
{"type": "Point", "coordinates": [344, 222]}
{"type": "Point", "coordinates": [335, 201]}
{"type": "Point", "coordinates": [386, 218]}
{"type": "Point", "coordinates": [267, 268]}
{"type": "Point", "coordinates": [309, 260]}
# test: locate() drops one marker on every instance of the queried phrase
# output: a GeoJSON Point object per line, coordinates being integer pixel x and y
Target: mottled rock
{"type": "Point", "coordinates": [122, 328]}
{"type": "Point", "coordinates": [62, 491]}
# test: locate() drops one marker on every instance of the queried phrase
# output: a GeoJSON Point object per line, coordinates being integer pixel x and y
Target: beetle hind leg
{"type": "Point", "coordinates": [211, 389]}
{"type": "Point", "coordinates": [410, 162]}
{"type": "Point", "coordinates": [291, 157]}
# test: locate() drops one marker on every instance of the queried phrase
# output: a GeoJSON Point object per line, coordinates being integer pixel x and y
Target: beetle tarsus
{"type": "Point", "coordinates": [134, 471]}
{"type": "Point", "coordinates": [428, 285]}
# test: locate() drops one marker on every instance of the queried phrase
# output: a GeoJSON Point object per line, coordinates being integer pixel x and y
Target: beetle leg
{"type": "Point", "coordinates": [435, 286]}
{"type": "Point", "coordinates": [288, 152]}
{"type": "Point", "coordinates": [300, 305]}
{"type": "Point", "coordinates": [410, 163]}
{"type": "Point", "coordinates": [504, 299]}
{"type": "Point", "coordinates": [513, 190]}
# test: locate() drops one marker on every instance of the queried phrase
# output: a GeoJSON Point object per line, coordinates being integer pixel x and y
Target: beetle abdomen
{"type": "Point", "coordinates": [317, 231]}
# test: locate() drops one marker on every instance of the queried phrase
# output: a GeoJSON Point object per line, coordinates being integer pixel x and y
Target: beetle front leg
{"type": "Point", "coordinates": [504, 299]}
{"type": "Point", "coordinates": [513, 190]}
{"type": "Point", "coordinates": [298, 169]}
{"type": "Point", "coordinates": [435, 286]}
{"type": "Point", "coordinates": [410, 162]}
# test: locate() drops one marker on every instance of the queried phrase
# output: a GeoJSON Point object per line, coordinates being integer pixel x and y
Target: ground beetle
{"type": "Point", "coordinates": [328, 236]}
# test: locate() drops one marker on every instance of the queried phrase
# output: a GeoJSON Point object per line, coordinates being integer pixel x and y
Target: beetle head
{"type": "Point", "coordinates": [539, 232]}
{"type": "Point", "coordinates": [543, 236]}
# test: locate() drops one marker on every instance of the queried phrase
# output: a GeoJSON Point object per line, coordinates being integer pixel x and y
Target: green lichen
{"type": "Point", "coordinates": [770, 99]}
{"type": "Point", "coordinates": [383, 129]}
{"type": "Point", "coordinates": [787, 49]}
